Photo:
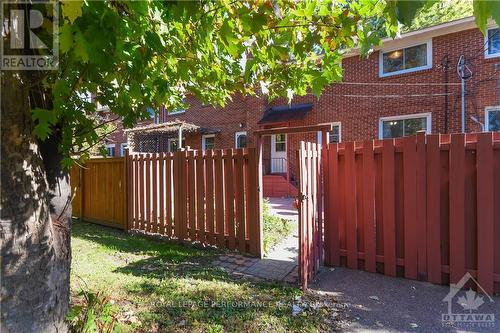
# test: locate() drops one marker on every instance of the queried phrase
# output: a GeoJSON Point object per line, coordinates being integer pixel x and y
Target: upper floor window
{"type": "Point", "coordinates": [492, 43]}
{"type": "Point", "coordinates": [394, 127]}
{"type": "Point", "coordinates": [153, 115]}
{"type": "Point", "coordinates": [406, 60]}
{"type": "Point", "coordinates": [241, 139]}
{"type": "Point", "coordinates": [208, 141]}
{"type": "Point", "coordinates": [492, 116]}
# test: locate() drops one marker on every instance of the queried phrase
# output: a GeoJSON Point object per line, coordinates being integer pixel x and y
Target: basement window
{"type": "Point", "coordinates": [406, 60]}
{"type": "Point", "coordinates": [492, 116]}
{"type": "Point", "coordinates": [395, 127]}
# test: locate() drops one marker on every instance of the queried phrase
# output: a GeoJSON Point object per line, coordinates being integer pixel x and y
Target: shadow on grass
{"type": "Point", "coordinates": [180, 290]}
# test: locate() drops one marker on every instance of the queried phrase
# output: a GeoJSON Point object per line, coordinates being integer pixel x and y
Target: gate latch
{"type": "Point", "coordinates": [302, 197]}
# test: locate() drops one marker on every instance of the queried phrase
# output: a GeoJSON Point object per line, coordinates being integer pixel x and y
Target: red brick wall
{"type": "Point", "coordinates": [359, 115]}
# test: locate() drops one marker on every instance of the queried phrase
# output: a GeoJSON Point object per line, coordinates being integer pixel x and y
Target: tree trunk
{"type": "Point", "coordinates": [35, 219]}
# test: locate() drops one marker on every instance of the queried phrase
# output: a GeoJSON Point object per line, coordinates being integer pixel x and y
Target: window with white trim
{"type": "Point", "coordinates": [208, 141]}
{"type": "Point", "coordinates": [395, 127]}
{"type": "Point", "coordinates": [240, 139]}
{"type": "Point", "coordinates": [153, 115]}
{"type": "Point", "coordinates": [123, 146]}
{"type": "Point", "coordinates": [492, 43]}
{"type": "Point", "coordinates": [406, 60]}
{"type": "Point", "coordinates": [492, 119]}
{"type": "Point", "coordinates": [110, 150]}
{"type": "Point", "coordinates": [334, 136]}
{"type": "Point", "coordinates": [173, 144]}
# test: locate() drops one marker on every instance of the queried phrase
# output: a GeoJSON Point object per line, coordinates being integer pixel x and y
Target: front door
{"type": "Point", "coordinates": [278, 153]}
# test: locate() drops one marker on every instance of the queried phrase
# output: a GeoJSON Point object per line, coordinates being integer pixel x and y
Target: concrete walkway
{"type": "Point", "coordinates": [280, 264]}
{"type": "Point", "coordinates": [377, 303]}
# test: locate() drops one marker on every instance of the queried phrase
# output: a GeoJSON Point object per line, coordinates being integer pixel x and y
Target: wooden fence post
{"type": "Point", "coordinates": [129, 190]}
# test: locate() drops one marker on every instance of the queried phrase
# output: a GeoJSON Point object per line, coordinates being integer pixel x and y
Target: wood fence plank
{"type": "Point", "coordinates": [200, 197]}
{"type": "Point", "coordinates": [388, 213]}
{"type": "Point", "coordinates": [485, 212]}
{"type": "Point", "coordinates": [252, 202]}
{"type": "Point", "coordinates": [327, 207]}
{"type": "Point", "coordinates": [129, 176]}
{"type": "Point", "coordinates": [320, 206]}
{"type": "Point", "coordinates": [169, 197]}
{"type": "Point", "coordinates": [457, 204]}
{"type": "Point", "coordinates": [147, 169]}
{"type": "Point", "coordinates": [369, 206]}
{"type": "Point", "coordinates": [161, 194]}
{"type": "Point", "coordinates": [137, 190]}
{"type": "Point", "coordinates": [219, 199]}
{"type": "Point", "coordinates": [191, 180]}
{"type": "Point", "coordinates": [433, 209]}
{"type": "Point", "coordinates": [154, 188]}
{"type": "Point", "coordinates": [177, 194]}
{"type": "Point", "coordinates": [421, 201]}
{"type": "Point", "coordinates": [350, 207]}
{"type": "Point", "coordinates": [142, 193]}
{"type": "Point", "coordinates": [210, 197]}
{"type": "Point", "coordinates": [239, 190]}
{"type": "Point", "coordinates": [410, 207]}
{"type": "Point", "coordinates": [229, 197]}
{"type": "Point", "coordinates": [333, 165]}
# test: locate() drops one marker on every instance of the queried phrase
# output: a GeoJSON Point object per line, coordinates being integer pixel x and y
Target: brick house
{"type": "Point", "coordinates": [406, 85]}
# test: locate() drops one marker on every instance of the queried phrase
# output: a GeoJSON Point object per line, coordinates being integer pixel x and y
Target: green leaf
{"type": "Point", "coordinates": [43, 120]}
{"type": "Point", "coordinates": [65, 38]}
{"type": "Point", "coordinates": [81, 47]}
{"type": "Point", "coordinates": [72, 9]}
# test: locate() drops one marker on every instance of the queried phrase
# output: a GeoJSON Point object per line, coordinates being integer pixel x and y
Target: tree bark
{"type": "Point", "coordinates": [35, 219]}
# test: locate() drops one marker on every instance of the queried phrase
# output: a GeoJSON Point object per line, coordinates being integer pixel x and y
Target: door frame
{"type": "Point", "coordinates": [281, 154]}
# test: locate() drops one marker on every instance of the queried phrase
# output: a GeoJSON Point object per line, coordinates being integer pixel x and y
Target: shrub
{"type": "Point", "coordinates": [94, 312]}
{"type": "Point", "coordinates": [275, 228]}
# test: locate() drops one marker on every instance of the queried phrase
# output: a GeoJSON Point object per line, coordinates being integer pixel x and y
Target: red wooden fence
{"type": "Point", "coordinates": [209, 197]}
{"type": "Point", "coordinates": [424, 207]}
{"type": "Point", "coordinates": [310, 211]}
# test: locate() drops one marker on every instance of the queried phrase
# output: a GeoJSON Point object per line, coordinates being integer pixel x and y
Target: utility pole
{"type": "Point", "coordinates": [464, 73]}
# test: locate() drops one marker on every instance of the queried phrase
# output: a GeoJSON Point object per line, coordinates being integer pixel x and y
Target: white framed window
{"type": "Point", "coordinates": [173, 144]}
{"type": "Point", "coordinates": [280, 143]}
{"type": "Point", "coordinates": [334, 136]}
{"type": "Point", "coordinates": [153, 115]}
{"type": "Point", "coordinates": [110, 150]}
{"type": "Point", "coordinates": [240, 139]}
{"type": "Point", "coordinates": [492, 119]}
{"type": "Point", "coordinates": [405, 60]}
{"type": "Point", "coordinates": [123, 146]}
{"type": "Point", "coordinates": [398, 126]}
{"type": "Point", "coordinates": [208, 141]}
{"type": "Point", "coordinates": [492, 43]}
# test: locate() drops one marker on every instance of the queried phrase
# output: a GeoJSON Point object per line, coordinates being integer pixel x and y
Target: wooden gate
{"type": "Point", "coordinates": [310, 211]}
{"type": "Point", "coordinates": [100, 191]}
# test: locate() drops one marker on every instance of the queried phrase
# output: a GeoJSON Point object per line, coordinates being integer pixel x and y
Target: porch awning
{"type": "Point", "coordinates": [282, 113]}
{"type": "Point", "coordinates": [171, 127]}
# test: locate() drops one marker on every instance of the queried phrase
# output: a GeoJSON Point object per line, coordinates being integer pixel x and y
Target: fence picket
{"type": "Point", "coordinates": [200, 196]}
{"type": "Point", "coordinates": [421, 203]}
{"type": "Point", "coordinates": [191, 181]}
{"type": "Point", "coordinates": [229, 197]}
{"type": "Point", "coordinates": [457, 204]}
{"type": "Point", "coordinates": [240, 200]}
{"type": "Point", "coordinates": [370, 240]}
{"type": "Point", "coordinates": [410, 208]}
{"type": "Point", "coordinates": [388, 209]}
{"type": "Point", "coordinates": [219, 199]}
{"type": "Point", "coordinates": [350, 206]}
{"type": "Point", "coordinates": [485, 215]}
{"type": "Point", "coordinates": [210, 216]}
{"type": "Point", "coordinates": [433, 209]}
{"type": "Point", "coordinates": [154, 189]}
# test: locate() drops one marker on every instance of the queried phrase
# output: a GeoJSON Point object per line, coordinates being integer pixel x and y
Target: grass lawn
{"type": "Point", "coordinates": [162, 286]}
